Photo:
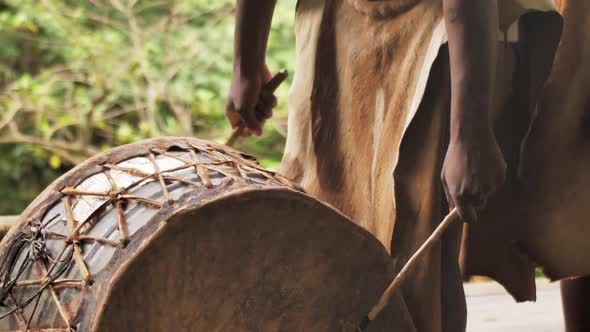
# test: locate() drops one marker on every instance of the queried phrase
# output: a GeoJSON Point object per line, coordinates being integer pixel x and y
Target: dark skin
{"type": "Point", "coordinates": [247, 103]}
{"type": "Point", "coordinates": [474, 167]}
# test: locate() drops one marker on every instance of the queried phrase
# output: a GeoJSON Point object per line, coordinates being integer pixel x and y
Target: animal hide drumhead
{"type": "Point", "coordinates": [186, 235]}
{"type": "Point", "coordinates": [257, 260]}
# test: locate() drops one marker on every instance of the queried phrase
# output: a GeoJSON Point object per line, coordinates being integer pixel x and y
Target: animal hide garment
{"type": "Point", "coordinates": [368, 128]}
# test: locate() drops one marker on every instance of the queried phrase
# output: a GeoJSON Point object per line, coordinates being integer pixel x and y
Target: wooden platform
{"type": "Point", "coordinates": [491, 309]}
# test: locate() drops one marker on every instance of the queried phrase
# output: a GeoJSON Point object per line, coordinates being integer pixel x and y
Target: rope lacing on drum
{"type": "Point", "coordinates": [34, 243]}
{"type": "Point", "coordinates": [32, 240]}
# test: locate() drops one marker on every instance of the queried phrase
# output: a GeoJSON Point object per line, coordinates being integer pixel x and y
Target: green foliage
{"type": "Point", "coordinates": [79, 77]}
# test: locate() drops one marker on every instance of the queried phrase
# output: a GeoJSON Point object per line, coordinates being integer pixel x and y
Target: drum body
{"type": "Point", "coordinates": [185, 235]}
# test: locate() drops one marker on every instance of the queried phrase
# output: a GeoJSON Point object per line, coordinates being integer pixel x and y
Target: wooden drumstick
{"type": "Point", "coordinates": [401, 276]}
{"type": "Point", "coordinates": [269, 87]}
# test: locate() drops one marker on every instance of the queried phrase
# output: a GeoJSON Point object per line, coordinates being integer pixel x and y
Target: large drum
{"type": "Point", "coordinates": [185, 235]}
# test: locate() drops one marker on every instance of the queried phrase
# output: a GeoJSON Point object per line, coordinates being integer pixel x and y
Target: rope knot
{"type": "Point", "coordinates": [117, 195]}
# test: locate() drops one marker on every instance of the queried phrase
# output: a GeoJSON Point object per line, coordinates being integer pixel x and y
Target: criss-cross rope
{"type": "Point", "coordinates": [230, 165]}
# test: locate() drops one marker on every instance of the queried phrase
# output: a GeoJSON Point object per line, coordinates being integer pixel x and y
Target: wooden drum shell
{"type": "Point", "coordinates": [186, 235]}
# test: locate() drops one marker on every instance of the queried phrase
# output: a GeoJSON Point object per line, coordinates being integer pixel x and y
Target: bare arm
{"type": "Point", "coordinates": [474, 167]}
{"type": "Point", "coordinates": [253, 22]}
{"type": "Point", "coordinates": [472, 28]}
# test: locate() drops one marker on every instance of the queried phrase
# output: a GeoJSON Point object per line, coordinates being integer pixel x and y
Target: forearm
{"type": "Point", "coordinates": [472, 27]}
{"type": "Point", "coordinates": [253, 21]}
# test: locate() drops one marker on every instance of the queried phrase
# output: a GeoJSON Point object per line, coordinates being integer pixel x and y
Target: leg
{"type": "Point", "coordinates": [575, 296]}
{"type": "Point", "coordinates": [453, 295]}
{"type": "Point", "coordinates": [434, 292]}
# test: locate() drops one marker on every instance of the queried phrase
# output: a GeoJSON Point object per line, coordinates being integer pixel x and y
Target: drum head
{"type": "Point", "coordinates": [257, 260]}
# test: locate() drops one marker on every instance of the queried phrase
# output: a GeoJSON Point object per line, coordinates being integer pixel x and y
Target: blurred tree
{"type": "Point", "coordinates": [79, 77]}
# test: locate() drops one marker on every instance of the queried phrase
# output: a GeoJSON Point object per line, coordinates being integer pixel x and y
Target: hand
{"type": "Point", "coordinates": [248, 103]}
{"type": "Point", "coordinates": [472, 171]}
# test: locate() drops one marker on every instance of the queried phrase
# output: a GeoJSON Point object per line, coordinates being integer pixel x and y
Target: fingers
{"type": "Point", "coordinates": [262, 112]}
{"type": "Point", "coordinates": [468, 204]}
{"type": "Point", "coordinates": [252, 118]}
{"type": "Point", "coordinates": [251, 122]}
{"type": "Point", "coordinates": [269, 100]}
{"type": "Point", "coordinates": [239, 116]}
{"type": "Point", "coordinates": [467, 209]}
{"type": "Point", "coordinates": [251, 103]}
{"type": "Point", "coordinates": [450, 200]}
{"type": "Point", "coordinates": [265, 107]}
{"type": "Point", "coordinates": [232, 115]}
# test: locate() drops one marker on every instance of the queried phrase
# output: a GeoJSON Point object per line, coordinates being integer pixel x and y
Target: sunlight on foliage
{"type": "Point", "coordinates": [79, 77]}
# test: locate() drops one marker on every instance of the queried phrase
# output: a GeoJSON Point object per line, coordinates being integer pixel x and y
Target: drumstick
{"type": "Point", "coordinates": [269, 87]}
{"type": "Point", "coordinates": [401, 276]}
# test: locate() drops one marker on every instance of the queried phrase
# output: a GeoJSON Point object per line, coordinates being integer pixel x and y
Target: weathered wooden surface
{"type": "Point", "coordinates": [491, 309]}
{"type": "Point", "coordinates": [237, 248]}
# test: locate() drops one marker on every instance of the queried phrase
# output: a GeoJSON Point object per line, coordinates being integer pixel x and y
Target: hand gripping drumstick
{"type": "Point", "coordinates": [269, 87]}
{"type": "Point", "coordinates": [401, 276]}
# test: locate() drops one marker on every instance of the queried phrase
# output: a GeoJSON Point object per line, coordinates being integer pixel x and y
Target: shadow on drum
{"type": "Point", "coordinates": [186, 235]}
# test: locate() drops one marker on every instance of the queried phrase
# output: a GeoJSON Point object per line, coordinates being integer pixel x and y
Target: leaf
{"type": "Point", "coordinates": [54, 161]}
{"type": "Point", "coordinates": [74, 70]}
{"type": "Point", "coordinates": [125, 133]}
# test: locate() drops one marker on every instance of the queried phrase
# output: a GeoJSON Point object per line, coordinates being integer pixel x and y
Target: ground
{"type": "Point", "coordinates": [491, 309]}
